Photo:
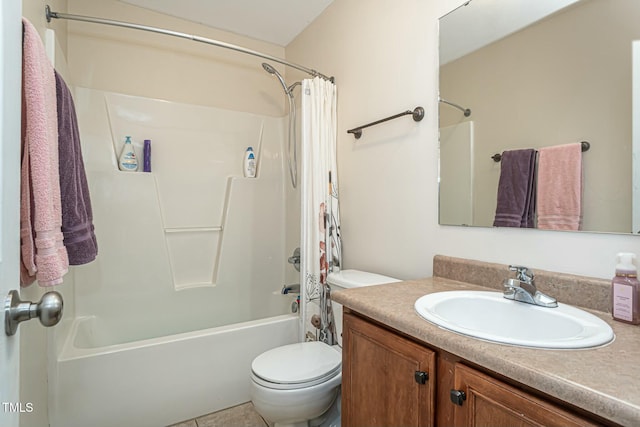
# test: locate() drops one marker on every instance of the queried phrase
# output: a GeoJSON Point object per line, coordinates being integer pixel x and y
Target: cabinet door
{"type": "Point", "coordinates": [382, 375]}
{"type": "Point", "coordinates": [493, 403]}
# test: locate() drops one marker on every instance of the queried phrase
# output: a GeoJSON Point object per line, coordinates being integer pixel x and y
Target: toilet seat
{"type": "Point", "coordinates": [296, 366]}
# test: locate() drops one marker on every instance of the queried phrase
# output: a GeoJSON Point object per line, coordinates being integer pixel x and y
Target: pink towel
{"type": "Point", "coordinates": [44, 258]}
{"type": "Point", "coordinates": [560, 187]}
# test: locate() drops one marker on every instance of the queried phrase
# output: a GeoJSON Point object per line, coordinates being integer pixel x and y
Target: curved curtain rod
{"type": "Point", "coordinates": [58, 15]}
{"type": "Point", "coordinates": [466, 111]}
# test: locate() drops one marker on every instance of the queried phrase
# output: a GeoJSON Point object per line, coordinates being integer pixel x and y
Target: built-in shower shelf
{"type": "Point", "coordinates": [193, 255]}
{"type": "Point", "coordinates": [192, 229]}
{"type": "Point", "coordinates": [183, 286]}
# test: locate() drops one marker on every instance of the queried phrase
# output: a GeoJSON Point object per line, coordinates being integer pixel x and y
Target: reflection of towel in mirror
{"type": "Point", "coordinates": [516, 189]}
{"type": "Point", "coordinates": [560, 187]}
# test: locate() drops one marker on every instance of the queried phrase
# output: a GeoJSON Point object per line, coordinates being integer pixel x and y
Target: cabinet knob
{"type": "Point", "coordinates": [457, 396]}
{"type": "Point", "coordinates": [421, 377]}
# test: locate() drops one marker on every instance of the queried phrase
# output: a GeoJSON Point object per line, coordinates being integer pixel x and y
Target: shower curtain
{"type": "Point", "coordinates": [321, 246]}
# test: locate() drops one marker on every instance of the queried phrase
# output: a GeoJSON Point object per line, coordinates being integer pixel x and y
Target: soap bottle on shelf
{"type": "Point", "coordinates": [625, 290]}
{"type": "Point", "coordinates": [146, 156]}
{"type": "Point", "coordinates": [249, 163]}
{"type": "Point", "coordinates": [127, 161]}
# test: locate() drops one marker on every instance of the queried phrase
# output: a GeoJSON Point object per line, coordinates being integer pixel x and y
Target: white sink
{"type": "Point", "coordinates": [490, 316]}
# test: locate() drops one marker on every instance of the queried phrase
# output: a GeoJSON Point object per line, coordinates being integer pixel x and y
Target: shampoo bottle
{"type": "Point", "coordinates": [128, 161]}
{"type": "Point", "coordinates": [146, 156]}
{"type": "Point", "coordinates": [249, 163]}
{"type": "Point", "coordinates": [625, 290]}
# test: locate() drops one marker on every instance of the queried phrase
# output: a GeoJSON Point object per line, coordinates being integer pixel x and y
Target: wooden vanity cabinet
{"type": "Point", "coordinates": [381, 387]}
{"type": "Point", "coordinates": [387, 380]}
{"type": "Point", "coordinates": [491, 402]}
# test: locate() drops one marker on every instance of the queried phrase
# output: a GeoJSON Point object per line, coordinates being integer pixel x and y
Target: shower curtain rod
{"type": "Point", "coordinates": [466, 111]}
{"type": "Point", "coordinates": [58, 15]}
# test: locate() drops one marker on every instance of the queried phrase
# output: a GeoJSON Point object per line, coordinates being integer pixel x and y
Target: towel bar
{"type": "Point", "coordinates": [417, 113]}
{"type": "Point", "coordinates": [585, 147]}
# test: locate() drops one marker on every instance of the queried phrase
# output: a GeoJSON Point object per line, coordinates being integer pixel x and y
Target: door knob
{"type": "Point", "coordinates": [48, 310]}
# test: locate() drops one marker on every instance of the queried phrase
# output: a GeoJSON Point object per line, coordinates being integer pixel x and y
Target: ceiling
{"type": "Point", "coordinates": [480, 22]}
{"type": "Point", "coordinates": [273, 21]}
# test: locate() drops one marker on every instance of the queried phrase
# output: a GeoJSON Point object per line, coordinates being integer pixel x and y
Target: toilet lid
{"type": "Point", "coordinates": [348, 279]}
{"type": "Point", "coordinates": [298, 363]}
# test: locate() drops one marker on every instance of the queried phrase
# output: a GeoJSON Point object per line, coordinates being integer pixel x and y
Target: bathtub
{"type": "Point", "coordinates": [159, 381]}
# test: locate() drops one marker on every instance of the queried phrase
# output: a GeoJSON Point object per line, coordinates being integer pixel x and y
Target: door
{"type": "Point", "coordinates": [491, 402]}
{"type": "Point", "coordinates": [10, 83]}
{"type": "Point", "coordinates": [387, 380]}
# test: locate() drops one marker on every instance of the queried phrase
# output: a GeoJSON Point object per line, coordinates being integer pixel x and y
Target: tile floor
{"type": "Point", "coordinates": [238, 416]}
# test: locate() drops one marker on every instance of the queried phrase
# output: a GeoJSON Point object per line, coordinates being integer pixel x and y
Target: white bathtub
{"type": "Point", "coordinates": [159, 381]}
{"type": "Point", "coordinates": [142, 341]}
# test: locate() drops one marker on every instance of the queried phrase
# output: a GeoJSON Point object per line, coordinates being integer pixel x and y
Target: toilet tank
{"type": "Point", "coordinates": [347, 279]}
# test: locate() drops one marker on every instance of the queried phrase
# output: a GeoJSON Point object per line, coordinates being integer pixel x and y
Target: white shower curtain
{"type": "Point", "coordinates": [321, 249]}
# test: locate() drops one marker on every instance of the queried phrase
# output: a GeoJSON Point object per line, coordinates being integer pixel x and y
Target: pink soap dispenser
{"type": "Point", "coordinates": [625, 290]}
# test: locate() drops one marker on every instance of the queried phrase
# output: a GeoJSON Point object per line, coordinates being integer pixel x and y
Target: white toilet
{"type": "Point", "coordinates": [299, 384]}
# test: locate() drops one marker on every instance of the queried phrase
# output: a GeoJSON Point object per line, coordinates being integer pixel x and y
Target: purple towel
{"type": "Point", "coordinates": [516, 189]}
{"type": "Point", "coordinates": [77, 216]}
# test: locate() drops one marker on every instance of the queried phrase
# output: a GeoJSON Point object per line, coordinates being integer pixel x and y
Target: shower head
{"type": "Point", "coordinates": [269, 69]}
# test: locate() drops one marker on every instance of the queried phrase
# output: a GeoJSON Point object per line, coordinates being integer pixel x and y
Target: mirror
{"type": "Point", "coordinates": [538, 74]}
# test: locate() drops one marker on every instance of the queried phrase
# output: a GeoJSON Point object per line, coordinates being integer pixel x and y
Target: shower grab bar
{"type": "Point", "coordinates": [417, 113]}
{"type": "Point", "coordinates": [585, 147]}
{"type": "Point", "coordinates": [466, 111]}
{"type": "Point", "coordinates": [59, 15]}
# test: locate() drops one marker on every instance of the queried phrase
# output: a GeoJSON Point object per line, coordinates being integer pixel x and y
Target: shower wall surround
{"type": "Point", "coordinates": [192, 237]}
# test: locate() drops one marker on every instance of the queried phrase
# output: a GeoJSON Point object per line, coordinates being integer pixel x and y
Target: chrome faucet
{"type": "Point", "coordinates": [523, 288]}
{"type": "Point", "coordinates": [290, 289]}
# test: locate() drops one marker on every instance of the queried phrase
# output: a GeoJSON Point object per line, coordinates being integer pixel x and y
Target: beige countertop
{"type": "Point", "coordinates": [604, 381]}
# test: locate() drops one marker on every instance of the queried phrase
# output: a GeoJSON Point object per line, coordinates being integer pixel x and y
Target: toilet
{"type": "Point", "coordinates": [299, 384]}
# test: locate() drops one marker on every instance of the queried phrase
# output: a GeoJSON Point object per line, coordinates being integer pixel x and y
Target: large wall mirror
{"type": "Point", "coordinates": [541, 73]}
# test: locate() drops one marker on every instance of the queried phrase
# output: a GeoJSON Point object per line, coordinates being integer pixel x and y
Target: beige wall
{"type": "Point", "coordinates": [385, 59]}
{"type": "Point", "coordinates": [555, 83]}
{"type": "Point", "coordinates": [157, 66]}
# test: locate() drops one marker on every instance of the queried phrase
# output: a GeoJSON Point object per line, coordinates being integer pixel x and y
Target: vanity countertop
{"type": "Point", "coordinates": [604, 381]}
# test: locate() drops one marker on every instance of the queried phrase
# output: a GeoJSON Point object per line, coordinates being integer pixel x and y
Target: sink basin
{"type": "Point", "coordinates": [490, 316]}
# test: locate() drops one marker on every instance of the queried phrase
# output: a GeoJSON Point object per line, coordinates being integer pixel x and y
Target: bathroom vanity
{"type": "Point", "coordinates": [399, 369]}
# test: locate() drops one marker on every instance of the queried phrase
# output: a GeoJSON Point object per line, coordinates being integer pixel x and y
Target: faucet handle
{"type": "Point", "coordinates": [290, 289]}
{"type": "Point", "coordinates": [522, 273]}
